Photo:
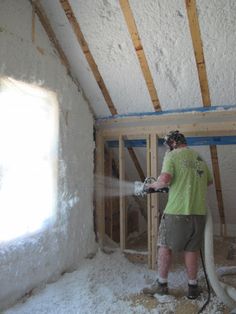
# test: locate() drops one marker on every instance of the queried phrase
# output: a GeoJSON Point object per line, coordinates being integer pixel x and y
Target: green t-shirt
{"type": "Point", "coordinates": [190, 177]}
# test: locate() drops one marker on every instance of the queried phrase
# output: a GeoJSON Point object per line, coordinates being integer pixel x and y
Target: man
{"type": "Point", "coordinates": [183, 221]}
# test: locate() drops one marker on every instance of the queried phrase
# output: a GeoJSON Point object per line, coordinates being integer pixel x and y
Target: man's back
{"type": "Point", "coordinates": [190, 177]}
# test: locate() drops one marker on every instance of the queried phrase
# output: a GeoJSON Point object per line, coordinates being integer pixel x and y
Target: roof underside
{"type": "Point", "coordinates": [152, 66]}
{"type": "Point", "coordinates": [165, 35]}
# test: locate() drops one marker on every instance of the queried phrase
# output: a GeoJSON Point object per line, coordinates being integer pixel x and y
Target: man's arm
{"type": "Point", "coordinates": [163, 180]}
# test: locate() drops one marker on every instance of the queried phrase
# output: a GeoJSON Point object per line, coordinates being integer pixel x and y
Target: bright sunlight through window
{"type": "Point", "coordinates": [28, 158]}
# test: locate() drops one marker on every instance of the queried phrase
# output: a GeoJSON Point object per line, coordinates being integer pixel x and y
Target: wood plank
{"type": "Point", "coordinates": [85, 48]}
{"type": "Point", "coordinates": [51, 35]}
{"type": "Point", "coordinates": [149, 210]}
{"type": "Point", "coordinates": [110, 204]}
{"type": "Point", "coordinates": [154, 202]}
{"type": "Point", "coordinates": [181, 118]}
{"type": "Point", "coordinates": [108, 195]}
{"type": "Point", "coordinates": [129, 18]}
{"type": "Point", "coordinates": [216, 171]}
{"type": "Point", "coordinates": [99, 189]}
{"type": "Point", "coordinates": [198, 50]}
{"type": "Point", "coordinates": [123, 219]}
{"type": "Point", "coordinates": [136, 163]}
{"type": "Point", "coordinates": [201, 129]}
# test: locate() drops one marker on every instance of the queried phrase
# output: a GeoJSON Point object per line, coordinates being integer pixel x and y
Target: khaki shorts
{"type": "Point", "coordinates": [182, 232]}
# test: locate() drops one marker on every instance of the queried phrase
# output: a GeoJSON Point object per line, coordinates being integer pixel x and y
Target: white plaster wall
{"type": "Point", "coordinates": [30, 262]}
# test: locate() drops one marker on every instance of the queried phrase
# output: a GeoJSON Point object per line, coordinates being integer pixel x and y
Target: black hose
{"type": "Point", "coordinates": [208, 285]}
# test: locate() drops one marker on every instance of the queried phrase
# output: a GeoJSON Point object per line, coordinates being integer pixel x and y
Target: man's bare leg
{"type": "Point", "coordinates": [191, 263]}
{"type": "Point", "coordinates": [164, 263]}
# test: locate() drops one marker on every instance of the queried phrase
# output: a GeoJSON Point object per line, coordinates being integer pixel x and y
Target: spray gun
{"type": "Point", "coordinates": [142, 188]}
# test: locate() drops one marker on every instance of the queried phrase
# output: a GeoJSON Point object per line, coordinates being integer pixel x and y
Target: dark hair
{"type": "Point", "coordinates": [174, 136]}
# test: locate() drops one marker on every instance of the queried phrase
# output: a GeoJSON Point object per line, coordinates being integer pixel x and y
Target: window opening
{"type": "Point", "coordinates": [28, 158]}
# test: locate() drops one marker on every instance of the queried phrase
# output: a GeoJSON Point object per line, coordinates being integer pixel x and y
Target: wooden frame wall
{"type": "Point", "coordinates": [211, 123]}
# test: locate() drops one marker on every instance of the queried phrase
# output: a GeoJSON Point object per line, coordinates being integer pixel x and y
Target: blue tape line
{"type": "Point", "coordinates": [191, 141]}
{"type": "Point", "coordinates": [171, 111]}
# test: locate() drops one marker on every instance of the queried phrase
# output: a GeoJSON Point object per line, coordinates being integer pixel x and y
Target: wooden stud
{"type": "Point", "coordinates": [108, 193]}
{"type": "Point", "coordinates": [216, 171]}
{"type": "Point", "coordinates": [123, 219]}
{"type": "Point", "coordinates": [99, 189]}
{"type": "Point", "coordinates": [154, 202]}
{"type": "Point", "coordinates": [110, 203]}
{"type": "Point", "coordinates": [149, 210]}
{"type": "Point", "coordinates": [124, 4]}
{"type": "Point", "coordinates": [85, 48]}
{"type": "Point", "coordinates": [198, 50]}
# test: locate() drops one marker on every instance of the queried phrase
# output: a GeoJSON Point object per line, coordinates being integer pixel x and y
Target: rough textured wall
{"type": "Point", "coordinates": [30, 262]}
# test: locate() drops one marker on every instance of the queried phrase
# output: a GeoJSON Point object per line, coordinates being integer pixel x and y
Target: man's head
{"type": "Point", "coordinates": [174, 139]}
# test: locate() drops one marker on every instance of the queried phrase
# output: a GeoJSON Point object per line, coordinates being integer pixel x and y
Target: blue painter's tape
{"type": "Point", "coordinates": [191, 141]}
{"type": "Point", "coordinates": [171, 111]}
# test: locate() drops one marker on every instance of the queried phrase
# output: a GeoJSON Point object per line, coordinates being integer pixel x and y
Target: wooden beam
{"type": "Point", "coordinates": [176, 118]}
{"type": "Point", "coordinates": [99, 189]}
{"type": "Point", "coordinates": [216, 171]}
{"type": "Point", "coordinates": [154, 202]}
{"type": "Point", "coordinates": [123, 217]}
{"type": "Point", "coordinates": [199, 129]}
{"type": "Point", "coordinates": [136, 163]}
{"type": "Point", "coordinates": [108, 194]}
{"type": "Point", "coordinates": [198, 50]}
{"type": "Point", "coordinates": [128, 15]}
{"type": "Point", "coordinates": [85, 48]}
{"type": "Point", "coordinates": [51, 35]}
{"type": "Point", "coordinates": [149, 210]}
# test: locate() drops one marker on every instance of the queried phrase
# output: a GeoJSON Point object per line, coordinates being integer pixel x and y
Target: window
{"type": "Point", "coordinates": [28, 158]}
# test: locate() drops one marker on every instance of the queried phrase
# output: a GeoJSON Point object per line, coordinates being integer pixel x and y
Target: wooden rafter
{"type": "Point", "coordinates": [136, 163]}
{"type": "Point", "coordinates": [198, 51]}
{"type": "Point", "coordinates": [129, 18]}
{"type": "Point", "coordinates": [51, 35]}
{"type": "Point", "coordinates": [85, 48]}
{"type": "Point", "coordinates": [202, 75]}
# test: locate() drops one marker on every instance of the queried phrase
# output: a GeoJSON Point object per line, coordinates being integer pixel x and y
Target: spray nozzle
{"type": "Point", "coordinates": [142, 188]}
